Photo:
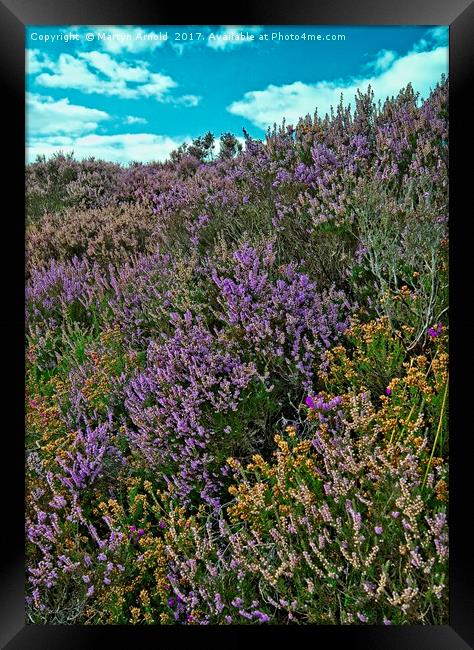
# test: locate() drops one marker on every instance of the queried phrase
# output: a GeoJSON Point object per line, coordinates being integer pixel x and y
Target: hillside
{"type": "Point", "coordinates": [237, 377]}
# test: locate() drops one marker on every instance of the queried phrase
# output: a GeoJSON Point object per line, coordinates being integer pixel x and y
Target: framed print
{"type": "Point", "coordinates": [242, 324]}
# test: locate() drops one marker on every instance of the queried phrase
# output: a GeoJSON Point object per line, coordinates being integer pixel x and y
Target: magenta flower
{"type": "Point", "coordinates": [435, 331]}
{"type": "Point", "coordinates": [388, 391]}
{"type": "Point", "coordinates": [309, 402]}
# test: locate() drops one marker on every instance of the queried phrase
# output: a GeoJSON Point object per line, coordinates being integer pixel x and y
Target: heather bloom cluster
{"type": "Point", "coordinates": [192, 373]}
{"type": "Point", "coordinates": [260, 322]}
{"type": "Point", "coordinates": [318, 402]}
{"type": "Point", "coordinates": [316, 510]}
{"type": "Point", "coordinates": [54, 513]}
{"type": "Point", "coordinates": [435, 331]}
{"type": "Point", "coordinates": [237, 377]}
{"type": "Point", "coordinates": [84, 462]}
{"type": "Point", "coordinates": [104, 235]}
{"type": "Point", "coordinates": [61, 182]}
{"type": "Point", "coordinates": [57, 287]}
{"type": "Point", "coordinates": [287, 318]}
{"type": "Point", "coordinates": [138, 296]}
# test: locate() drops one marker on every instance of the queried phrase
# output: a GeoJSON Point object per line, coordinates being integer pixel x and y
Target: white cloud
{"type": "Point", "coordinates": [58, 125]}
{"type": "Point", "coordinates": [36, 61]}
{"type": "Point", "coordinates": [121, 147]}
{"type": "Point", "coordinates": [70, 72]}
{"type": "Point", "coordinates": [382, 61]}
{"type": "Point", "coordinates": [185, 100]}
{"type": "Point", "coordinates": [44, 116]}
{"type": "Point", "coordinates": [292, 101]}
{"type": "Point", "coordinates": [111, 68]}
{"type": "Point", "coordinates": [131, 119]}
{"type": "Point", "coordinates": [157, 85]}
{"type": "Point", "coordinates": [228, 37]}
{"type": "Point", "coordinates": [99, 73]}
{"type": "Point", "coordinates": [434, 37]}
{"type": "Point", "coordinates": [439, 34]}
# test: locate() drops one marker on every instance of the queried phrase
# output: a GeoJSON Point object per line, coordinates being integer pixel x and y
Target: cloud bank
{"type": "Point", "coordinates": [44, 116]}
{"type": "Point", "coordinates": [99, 73]}
{"type": "Point", "coordinates": [121, 147]}
{"type": "Point", "coordinates": [386, 74]}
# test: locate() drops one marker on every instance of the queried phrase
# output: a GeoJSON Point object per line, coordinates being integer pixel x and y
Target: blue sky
{"type": "Point", "coordinates": [128, 93]}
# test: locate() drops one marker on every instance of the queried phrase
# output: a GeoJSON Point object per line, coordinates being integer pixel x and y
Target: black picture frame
{"type": "Point", "coordinates": [14, 16]}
